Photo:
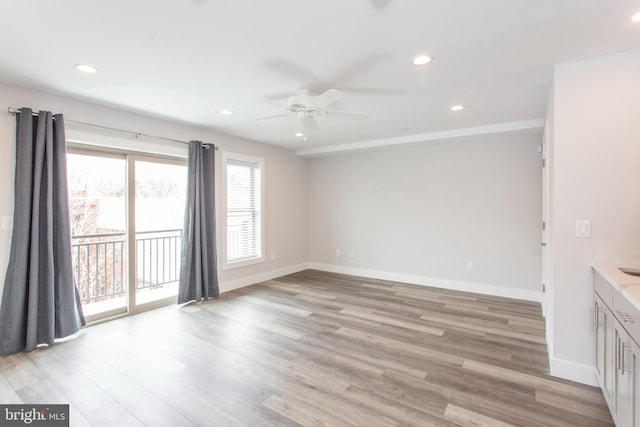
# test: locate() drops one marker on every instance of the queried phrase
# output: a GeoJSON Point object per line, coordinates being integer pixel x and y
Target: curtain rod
{"type": "Point", "coordinates": [14, 111]}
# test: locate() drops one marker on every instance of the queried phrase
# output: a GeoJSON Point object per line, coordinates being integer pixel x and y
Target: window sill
{"type": "Point", "coordinates": [242, 263]}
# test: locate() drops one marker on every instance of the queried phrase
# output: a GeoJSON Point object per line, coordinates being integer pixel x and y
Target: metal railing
{"type": "Point", "coordinates": [100, 262]}
{"type": "Point", "coordinates": [157, 258]}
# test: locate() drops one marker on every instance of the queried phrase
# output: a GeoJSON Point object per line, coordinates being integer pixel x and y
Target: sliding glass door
{"type": "Point", "coordinates": [160, 189]}
{"type": "Point", "coordinates": [127, 216]}
{"type": "Point", "coordinates": [97, 201]}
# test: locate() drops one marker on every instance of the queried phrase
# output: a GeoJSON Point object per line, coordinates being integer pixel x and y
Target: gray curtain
{"type": "Point", "coordinates": [40, 301]}
{"type": "Point", "coordinates": [198, 269]}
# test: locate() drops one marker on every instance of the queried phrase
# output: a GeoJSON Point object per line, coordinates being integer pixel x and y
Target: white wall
{"type": "Point", "coordinates": [420, 213]}
{"type": "Point", "coordinates": [596, 173]}
{"type": "Point", "coordinates": [286, 200]}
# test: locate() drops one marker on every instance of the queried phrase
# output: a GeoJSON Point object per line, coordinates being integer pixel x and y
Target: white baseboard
{"type": "Point", "coordinates": [230, 285]}
{"type": "Point", "coordinates": [573, 371]}
{"type": "Point", "coordinates": [479, 288]}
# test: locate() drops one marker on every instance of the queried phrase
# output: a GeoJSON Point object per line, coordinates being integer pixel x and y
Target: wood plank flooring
{"type": "Point", "coordinates": [312, 349]}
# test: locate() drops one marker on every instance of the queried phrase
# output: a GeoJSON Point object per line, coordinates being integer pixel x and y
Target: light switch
{"type": "Point", "coordinates": [7, 223]}
{"type": "Point", "coordinates": [583, 229]}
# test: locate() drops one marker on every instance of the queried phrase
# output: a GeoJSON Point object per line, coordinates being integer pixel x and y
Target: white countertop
{"type": "Point", "coordinates": [628, 285]}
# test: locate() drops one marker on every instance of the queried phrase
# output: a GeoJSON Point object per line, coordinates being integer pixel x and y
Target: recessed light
{"type": "Point", "coordinates": [421, 60]}
{"type": "Point", "coordinates": [299, 134]}
{"type": "Point", "coordinates": [457, 107]}
{"type": "Point", "coordinates": [226, 112]}
{"type": "Point", "coordinates": [86, 68]}
{"type": "Point", "coordinates": [636, 17]}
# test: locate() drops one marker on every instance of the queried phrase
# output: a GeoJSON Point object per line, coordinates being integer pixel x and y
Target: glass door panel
{"type": "Point", "coordinates": [160, 191]}
{"type": "Point", "coordinates": [97, 189]}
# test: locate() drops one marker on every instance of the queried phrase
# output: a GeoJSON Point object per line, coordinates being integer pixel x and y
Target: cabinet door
{"type": "Point", "coordinates": [599, 344]}
{"type": "Point", "coordinates": [635, 385]}
{"type": "Point", "coordinates": [604, 347]}
{"type": "Point", "coordinates": [622, 382]}
{"type": "Point", "coordinates": [606, 325]}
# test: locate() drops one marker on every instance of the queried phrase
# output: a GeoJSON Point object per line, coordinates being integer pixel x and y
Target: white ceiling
{"type": "Point", "coordinates": [185, 60]}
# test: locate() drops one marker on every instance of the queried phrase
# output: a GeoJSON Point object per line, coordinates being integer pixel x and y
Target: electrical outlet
{"type": "Point", "coordinates": [469, 266]}
{"type": "Point", "coordinates": [338, 252]}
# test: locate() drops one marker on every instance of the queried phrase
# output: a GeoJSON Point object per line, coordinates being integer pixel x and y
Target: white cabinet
{"type": "Point", "coordinates": [617, 353]}
{"type": "Point", "coordinates": [627, 376]}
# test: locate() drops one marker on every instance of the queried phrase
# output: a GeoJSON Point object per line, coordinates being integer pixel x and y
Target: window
{"type": "Point", "coordinates": [243, 185]}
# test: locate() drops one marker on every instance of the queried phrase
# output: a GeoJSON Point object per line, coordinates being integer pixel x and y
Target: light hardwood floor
{"type": "Point", "coordinates": [311, 348]}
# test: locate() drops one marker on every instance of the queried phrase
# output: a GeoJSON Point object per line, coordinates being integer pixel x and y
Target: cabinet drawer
{"type": "Point", "coordinates": [603, 288]}
{"type": "Point", "coordinates": [627, 314]}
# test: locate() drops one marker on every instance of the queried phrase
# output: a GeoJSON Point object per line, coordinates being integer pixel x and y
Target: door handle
{"type": "Point", "coordinates": [543, 244]}
{"type": "Point", "coordinates": [626, 366]}
{"type": "Point", "coordinates": [617, 354]}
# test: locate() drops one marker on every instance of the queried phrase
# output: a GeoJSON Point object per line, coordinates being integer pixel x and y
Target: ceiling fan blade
{"type": "Point", "coordinates": [310, 123]}
{"type": "Point", "coordinates": [372, 91]}
{"type": "Point", "coordinates": [380, 4]}
{"type": "Point", "coordinates": [269, 117]}
{"type": "Point", "coordinates": [278, 95]}
{"type": "Point", "coordinates": [352, 71]}
{"type": "Point", "coordinates": [326, 98]}
{"type": "Point", "coordinates": [291, 70]}
{"type": "Point", "coordinates": [348, 114]}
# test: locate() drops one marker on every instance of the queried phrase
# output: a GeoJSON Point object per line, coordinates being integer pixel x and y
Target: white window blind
{"type": "Point", "coordinates": [243, 200]}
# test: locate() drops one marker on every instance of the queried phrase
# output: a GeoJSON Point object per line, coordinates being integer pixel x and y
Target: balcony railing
{"type": "Point", "coordinates": [100, 262]}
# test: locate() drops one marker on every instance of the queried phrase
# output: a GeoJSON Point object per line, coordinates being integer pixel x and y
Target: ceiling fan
{"type": "Point", "coordinates": [306, 108]}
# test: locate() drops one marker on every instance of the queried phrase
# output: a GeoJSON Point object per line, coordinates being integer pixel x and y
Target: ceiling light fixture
{"type": "Point", "coordinates": [457, 107]}
{"type": "Point", "coordinates": [86, 68]}
{"type": "Point", "coordinates": [226, 112]}
{"type": "Point", "coordinates": [299, 134]}
{"type": "Point", "coordinates": [421, 60]}
{"type": "Point", "coordinates": [636, 17]}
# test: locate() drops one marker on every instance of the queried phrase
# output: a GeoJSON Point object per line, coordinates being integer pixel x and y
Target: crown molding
{"type": "Point", "coordinates": [424, 137]}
